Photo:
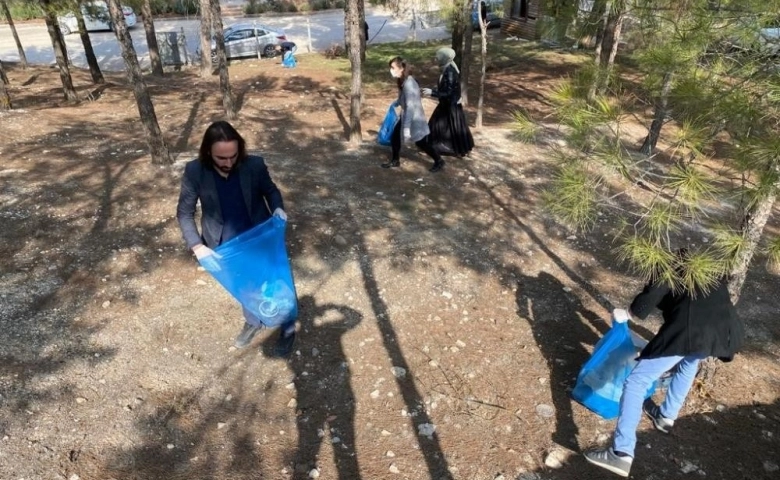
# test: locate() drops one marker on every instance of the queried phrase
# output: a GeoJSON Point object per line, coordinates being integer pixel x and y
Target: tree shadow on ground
{"type": "Point", "coordinates": [720, 444]}
{"type": "Point", "coordinates": [325, 400]}
{"type": "Point", "coordinates": [564, 330]}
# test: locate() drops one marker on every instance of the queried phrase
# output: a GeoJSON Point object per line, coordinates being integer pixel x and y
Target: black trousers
{"type": "Point", "coordinates": [423, 144]}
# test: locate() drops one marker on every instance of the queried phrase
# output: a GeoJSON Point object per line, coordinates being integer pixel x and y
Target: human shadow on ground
{"type": "Point", "coordinates": [325, 400]}
{"type": "Point", "coordinates": [563, 329]}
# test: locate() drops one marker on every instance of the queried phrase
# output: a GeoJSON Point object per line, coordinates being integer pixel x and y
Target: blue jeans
{"type": "Point", "coordinates": [287, 327]}
{"type": "Point", "coordinates": [635, 387]}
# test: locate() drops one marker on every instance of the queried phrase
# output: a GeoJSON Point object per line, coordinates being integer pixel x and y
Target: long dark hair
{"type": "Point", "coordinates": [220, 131]}
{"type": "Point", "coordinates": [407, 70]}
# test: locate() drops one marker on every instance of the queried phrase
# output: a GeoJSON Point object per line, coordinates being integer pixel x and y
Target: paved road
{"type": "Point", "coordinates": [327, 28]}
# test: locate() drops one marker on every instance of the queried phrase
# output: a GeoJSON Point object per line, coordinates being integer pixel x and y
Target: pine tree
{"type": "Point", "coordinates": [711, 94]}
{"type": "Point", "coordinates": [154, 137]}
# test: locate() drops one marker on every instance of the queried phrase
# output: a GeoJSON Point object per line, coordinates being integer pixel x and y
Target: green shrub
{"type": "Point", "coordinates": [186, 7]}
{"type": "Point", "coordinates": [22, 10]}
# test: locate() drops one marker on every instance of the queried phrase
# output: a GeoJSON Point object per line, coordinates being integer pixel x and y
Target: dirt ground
{"type": "Point", "coordinates": [115, 352]}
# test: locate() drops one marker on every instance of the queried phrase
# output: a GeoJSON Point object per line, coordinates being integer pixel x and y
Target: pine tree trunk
{"type": "Point", "coordinates": [3, 77]}
{"type": "Point", "coordinates": [57, 45]}
{"type": "Point", "coordinates": [354, 16]}
{"type": "Point", "coordinates": [661, 105]}
{"type": "Point", "coordinates": [480, 102]}
{"type": "Point", "coordinates": [5, 99]}
{"type": "Point", "coordinates": [595, 23]}
{"type": "Point", "coordinates": [610, 48]}
{"type": "Point", "coordinates": [228, 102]}
{"type": "Point", "coordinates": [154, 137]}
{"type": "Point", "coordinates": [89, 52]}
{"type": "Point", "coordinates": [151, 38]}
{"type": "Point", "coordinates": [206, 68]}
{"type": "Point", "coordinates": [594, 86]}
{"type": "Point", "coordinates": [465, 62]}
{"type": "Point", "coordinates": [10, 20]}
{"type": "Point", "coordinates": [459, 24]}
{"type": "Point", "coordinates": [752, 228]}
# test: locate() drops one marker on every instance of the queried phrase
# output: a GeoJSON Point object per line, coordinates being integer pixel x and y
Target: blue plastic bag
{"type": "Point", "coordinates": [388, 125]}
{"type": "Point", "coordinates": [254, 268]}
{"type": "Point", "coordinates": [600, 382]}
{"type": "Point", "coordinates": [288, 60]}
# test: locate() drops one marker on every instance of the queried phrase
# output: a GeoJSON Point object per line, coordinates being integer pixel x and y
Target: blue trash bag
{"type": "Point", "coordinates": [255, 269]}
{"type": "Point", "coordinates": [386, 130]}
{"type": "Point", "coordinates": [600, 382]}
{"type": "Point", "coordinates": [288, 60]}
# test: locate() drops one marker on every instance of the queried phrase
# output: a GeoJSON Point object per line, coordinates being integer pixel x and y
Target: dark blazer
{"type": "Point", "coordinates": [705, 324]}
{"type": "Point", "coordinates": [261, 196]}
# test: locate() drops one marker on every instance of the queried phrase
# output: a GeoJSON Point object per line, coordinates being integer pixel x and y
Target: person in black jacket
{"type": "Point", "coordinates": [236, 193]}
{"type": "Point", "coordinates": [450, 132]}
{"type": "Point", "coordinates": [696, 326]}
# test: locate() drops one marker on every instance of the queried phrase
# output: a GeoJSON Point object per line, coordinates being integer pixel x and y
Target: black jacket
{"type": "Point", "coordinates": [702, 324]}
{"type": "Point", "coordinates": [260, 195]}
{"type": "Point", "coordinates": [448, 90]}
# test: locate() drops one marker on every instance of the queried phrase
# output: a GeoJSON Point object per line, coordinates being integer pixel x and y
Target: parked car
{"type": "Point", "coordinates": [246, 39]}
{"type": "Point", "coordinates": [492, 11]}
{"type": "Point", "coordinates": [96, 17]}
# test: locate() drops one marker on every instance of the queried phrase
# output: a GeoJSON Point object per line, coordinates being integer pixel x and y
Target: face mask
{"type": "Point", "coordinates": [395, 74]}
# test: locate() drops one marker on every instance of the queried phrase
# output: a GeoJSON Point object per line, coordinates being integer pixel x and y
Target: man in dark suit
{"type": "Point", "coordinates": [236, 193]}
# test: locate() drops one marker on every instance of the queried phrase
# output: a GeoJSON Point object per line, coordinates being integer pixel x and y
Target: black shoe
{"type": "Point", "coordinates": [247, 334]}
{"type": "Point", "coordinates": [653, 412]}
{"type": "Point", "coordinates": [284, 344]}
{"type": "Point", "coordinates": [392, 164]}
{"type": "Point", "coordinates": [437, 166]}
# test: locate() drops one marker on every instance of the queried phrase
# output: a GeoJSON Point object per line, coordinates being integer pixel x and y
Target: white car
{"type": "Point", "coordinates": [246, 39]}
{"type": "Point", "coordinates": [96, 17]}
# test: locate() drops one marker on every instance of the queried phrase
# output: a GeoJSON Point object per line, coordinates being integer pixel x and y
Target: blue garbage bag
{"type": "Point", "coordinates": [288, 60]}
{"type": "Point", "coordinates": [600, 382]}
{"type": "Point", "coordinates": [255, 269]}
{"type": "Point", "coordinates": [386, 130]}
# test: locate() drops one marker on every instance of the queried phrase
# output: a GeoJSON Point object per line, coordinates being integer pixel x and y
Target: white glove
{"type": "Point", "coordinates": [207, 257]}
{"type": "Point", "coordinates": [280, 213]}
{"type": "Point", "coordinates": [426, 92]}
{"type": "Point", "coordinates": [407, 135]}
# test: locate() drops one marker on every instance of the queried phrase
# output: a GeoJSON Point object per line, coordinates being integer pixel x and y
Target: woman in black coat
{"type": "Point", "coordinates": [697, 325]}
{"type": "Point", "coordinates": [450, 132]}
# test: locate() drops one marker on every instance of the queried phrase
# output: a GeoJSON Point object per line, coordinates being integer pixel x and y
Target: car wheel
{"type": "Point", "coordinates": [269, 51]}
{"type": "Point", "coordinates": [65, 29]}
{"type": "Point", "coordinates": [110, 26]}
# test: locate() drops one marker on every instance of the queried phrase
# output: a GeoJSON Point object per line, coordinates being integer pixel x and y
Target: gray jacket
{"type": "Point", "coordinates": [260, 195]}
{"type": "Point", "coordinates": [413, 116]}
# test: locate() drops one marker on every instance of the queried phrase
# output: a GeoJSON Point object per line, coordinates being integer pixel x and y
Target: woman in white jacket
{"type": "Point", "coordinates": [413, 126]}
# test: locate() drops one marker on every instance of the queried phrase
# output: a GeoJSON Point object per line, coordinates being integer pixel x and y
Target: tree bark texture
{"type": "Point", "coordinates": [481, 101]}
{"type": "Point", "coordinates": [228, 102]}
{"type": "Point", "coordinates": [89, 52]}
{"type": "Point", "coordinates": [10, 20]}
{"type": "Point", "coordinates": [752, 228]}
{"type": "Point", "coordinates": [661, 106]}
{"type": "Point", "coordinates": [3, 77]}
{"type": "Point", "coordinates": [354, 16]}
{"type": "Point", "coordinates": [154, 137]}
{"type": "Point", "coordinates": [59, 47]}
{"type": "Point", "coordinates": [459, 24]}
{"type": "Point", "coordinates": [5, 98]}
{"type": "Point", "coordinates": [594, 86]}
{"type": "Point", "coordinates": [610, 44]}
{"type": "Point", "coordinates": [205, 39]}
{"type": "Point", "coordinates": [466, 60]}
{"type": "Point", "coordinates": [151, 38]}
